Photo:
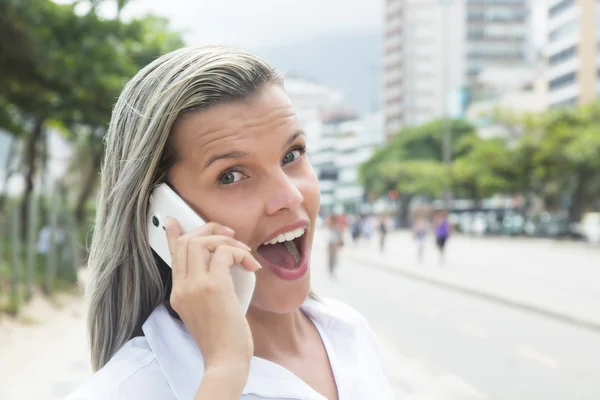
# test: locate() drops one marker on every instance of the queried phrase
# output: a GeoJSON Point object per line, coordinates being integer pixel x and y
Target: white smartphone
{"type": "Point", "coordinates": [164, 202]}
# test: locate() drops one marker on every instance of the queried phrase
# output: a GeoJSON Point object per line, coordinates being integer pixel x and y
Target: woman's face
{"type": "Point", "coordinates": [242, 164]}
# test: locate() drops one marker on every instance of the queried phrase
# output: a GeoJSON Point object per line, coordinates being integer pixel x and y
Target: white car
{"type": "Point", "coordinates": [590, 227]}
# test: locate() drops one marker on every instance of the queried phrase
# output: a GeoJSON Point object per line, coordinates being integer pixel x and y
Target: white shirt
{"type": "Point", "coordinates": [166, 363]}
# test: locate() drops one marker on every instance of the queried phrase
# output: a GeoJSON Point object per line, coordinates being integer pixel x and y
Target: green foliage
{"type": "Point", "coordinates": [64, 70]}
{"type": "Point", "coordinates": [483, 169]}
{"type": "Point", "coordinates": [554, 155]}
{"type": "Point", "coordinates": [412, 161]}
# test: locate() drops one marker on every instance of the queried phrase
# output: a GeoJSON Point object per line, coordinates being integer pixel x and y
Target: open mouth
{"type": "Point", "coordinates": [285, 250]}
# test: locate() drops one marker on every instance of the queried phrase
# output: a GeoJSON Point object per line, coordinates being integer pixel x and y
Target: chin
{"type": "Point", "coordinates": [277, 296]}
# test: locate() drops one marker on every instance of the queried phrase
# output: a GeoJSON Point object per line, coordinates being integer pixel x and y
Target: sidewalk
{"type": "Point", "coordinates": [556, 279]}
{"type": "Point", "coordinates": [44, 352]}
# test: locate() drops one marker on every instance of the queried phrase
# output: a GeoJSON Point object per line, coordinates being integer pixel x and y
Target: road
{"type": "Point", "coordinates": [502, 352]}
{"type": "Point", "coordinates": [437, 344]}
{"type": "Point", "coordinates": [561, 277]}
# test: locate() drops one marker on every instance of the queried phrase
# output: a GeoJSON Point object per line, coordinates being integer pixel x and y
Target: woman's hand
{"type": "Point", "coordinates": [203, 296]}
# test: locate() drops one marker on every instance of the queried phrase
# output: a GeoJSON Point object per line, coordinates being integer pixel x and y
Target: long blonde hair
{"type": "Point", "coordinates": [127, 282]}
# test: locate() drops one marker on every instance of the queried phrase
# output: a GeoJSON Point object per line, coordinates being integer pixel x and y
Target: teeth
{"type": "Point", "coordinates": [287, 236]}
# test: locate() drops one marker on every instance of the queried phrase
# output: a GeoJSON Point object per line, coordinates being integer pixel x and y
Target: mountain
{"type": "Point", "coordinates": [350, 63]}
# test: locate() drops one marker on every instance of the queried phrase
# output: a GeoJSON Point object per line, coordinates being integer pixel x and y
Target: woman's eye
{"type": "Point", "coordinates": [230, 177]}
{"type": "Point", "coordinates": [292, 155]}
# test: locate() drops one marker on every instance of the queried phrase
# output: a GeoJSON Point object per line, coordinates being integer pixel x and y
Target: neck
{"type": "Point", "coordinates": [277, 334]}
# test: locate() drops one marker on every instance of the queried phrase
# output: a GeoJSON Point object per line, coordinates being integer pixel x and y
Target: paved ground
{"type": "Point", "coordinates": [438, 344]}
{"type": "Point", "coordinates": [47, 357]}
{"type": "Point", "coordinates": [562, 278]}
{"type": "Point", "coordinates": [502, 351]}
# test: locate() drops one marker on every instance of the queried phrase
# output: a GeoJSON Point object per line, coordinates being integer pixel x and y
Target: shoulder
{"type": "Point", "coordinates": [343, 310]}
{"type": "Point", "coordinates": [354, 335]}
{"type": "Point", "coordinates": [338, 310]}
{"type": "Point", "coordinates": [133, 373]}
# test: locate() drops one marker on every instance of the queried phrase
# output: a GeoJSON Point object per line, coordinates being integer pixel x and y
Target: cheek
{"type": "Point", "coordinates": [240, 213]}
{"type": "Point", "coordinates": [310, 189]}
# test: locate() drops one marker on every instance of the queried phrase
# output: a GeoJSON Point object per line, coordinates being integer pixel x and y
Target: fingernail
{"type": "Point", "coordinates": [229, 230]}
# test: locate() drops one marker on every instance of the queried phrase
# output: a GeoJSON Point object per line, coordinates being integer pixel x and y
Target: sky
{"type": "Point", "coordinates": [261, 23]}
{"type": "Point", "coordinates": [266, 23]}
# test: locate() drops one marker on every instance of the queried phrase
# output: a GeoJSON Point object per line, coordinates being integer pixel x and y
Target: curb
{"type": "Point", "coordinates": [486, 295]}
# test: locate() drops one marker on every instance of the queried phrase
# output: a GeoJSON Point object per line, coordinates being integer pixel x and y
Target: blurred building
{"type": "Point", "coordinates": [435, 49]}
{"type": "Point", "coordinates": [498, 33]}
{"type": "Point", "coordinates": [506, 90]}
{"type": "Point", "coordinates": [310, 100]}
{"type": "Point", "coordinates": [339, 140]}
{"type": "Point", "coordinates": [572, 52]}
{"type": "Point", "coordinates": [346, 143]}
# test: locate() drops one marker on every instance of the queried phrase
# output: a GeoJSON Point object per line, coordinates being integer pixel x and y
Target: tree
{"type": "Point", "coordinates": [567, 157]}
{"type": "Point", "coordinates": [412, 162]}
{"type": "Point", "coordinates": [70, 76]}
{"type": "Point", "coordinates": [554, 156]}
{"type": "Point", "coordinates": [484, 169]}
{"type": "Point", "coordinates": [422, 143]}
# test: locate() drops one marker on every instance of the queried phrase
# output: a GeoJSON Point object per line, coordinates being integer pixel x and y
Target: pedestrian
{"type": "Point", "coordinates": [356, 229]}
{"type": "Point", "coordinates": [368, 228]}
{"type": "Point", "coordinates": [216, 125]}
{"type": "Point", "coordinates": [383, 230]}
{"type": "Point", "coordinates": [442, 232]}
{"type": "Point", "coordinates": [420, 228]}
{"type": "Point", "coordinates": [334, 244]}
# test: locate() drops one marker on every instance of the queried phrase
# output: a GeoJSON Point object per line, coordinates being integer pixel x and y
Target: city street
{"type": "Point", "coordinates": [554, 277]}
{"type": "Point", "coordinates": [437, 343]}
{"type": "Point", "coordinates": [504, 352]}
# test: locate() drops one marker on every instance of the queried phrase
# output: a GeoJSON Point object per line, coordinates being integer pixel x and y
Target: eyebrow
{"type": "Point", "coordinates": [243, 154]}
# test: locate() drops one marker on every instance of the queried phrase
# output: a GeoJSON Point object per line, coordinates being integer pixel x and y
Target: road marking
{"type": "Point", "coordinates": [472, 329]}
{"type": "Point", "coordinates": [413, 377]}
{"type": "Point", "coordinates": [537, 357]}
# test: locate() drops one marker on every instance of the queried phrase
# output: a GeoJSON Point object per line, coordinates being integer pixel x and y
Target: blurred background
{"type": "Point", "coordinates": [457, 143]}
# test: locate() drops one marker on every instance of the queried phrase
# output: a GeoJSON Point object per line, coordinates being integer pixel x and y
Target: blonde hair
{"type": "Point", "coordinates": [127, 281]}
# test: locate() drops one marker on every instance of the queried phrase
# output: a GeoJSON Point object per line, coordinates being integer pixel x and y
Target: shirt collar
{"type": "Point", "coordinates": [183, 366]}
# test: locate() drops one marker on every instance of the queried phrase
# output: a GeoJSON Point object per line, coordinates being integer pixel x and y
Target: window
{"type": "Point", "coordinates": [562, 56]}
{"type": "Point", "coordinates": [560, 7]}
{"type": "Point", "coordinates": [567, 29]}
{"type": "Point", "coordinates": [562, 81]}
{"type": "Point", "coordinates": [495, 1]}
{"type": "Point", "coordinates": [500, 16]}
{"type": "Point", "coordinates": [565, 103]}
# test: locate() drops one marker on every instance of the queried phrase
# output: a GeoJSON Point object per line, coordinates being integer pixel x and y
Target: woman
{"type": "Point", "coordinates": [216, 125]}
{"type": "Point", "coordinates": [442, 232]}
{"type": "Point", "coordinates": [383, 229]}
{"type": "Point", "coordinates": [420, 229]}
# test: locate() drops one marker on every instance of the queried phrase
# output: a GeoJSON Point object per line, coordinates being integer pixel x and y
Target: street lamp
{"type": "Point", "coordinates": [447, 131]}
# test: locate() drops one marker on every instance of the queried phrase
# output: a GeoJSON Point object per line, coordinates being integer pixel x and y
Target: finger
{"type": "Point", "coordinates": [173, 230]}
{"type": "Point", "coordinates": [200, 249]}
{"type": "Point", "coordinates": [211, 228]}
{"type": "Point", "coordinates": [227, 256]}
{"type": "Point", "coordinates": [177, 247]}
{"type": "Point", "coordinates": [199, 257]}
{"type": "Point", "coordinates": [213, 241]}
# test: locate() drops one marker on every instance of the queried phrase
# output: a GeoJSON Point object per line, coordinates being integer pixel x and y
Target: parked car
{"type": "Point", "coordinates": [590, 227]}
{"type": "Point", "coordinates": [551, 226]}
{"type": "Point", "coordinates": [513, 225]}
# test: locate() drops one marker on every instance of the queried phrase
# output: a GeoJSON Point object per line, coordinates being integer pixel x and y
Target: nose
{"type": "Point", "coordinates": [282, 194]}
